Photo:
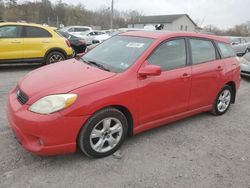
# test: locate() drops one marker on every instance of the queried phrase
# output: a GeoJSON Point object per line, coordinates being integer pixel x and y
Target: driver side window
{"type": "Point", "coordinates": [170, 55]}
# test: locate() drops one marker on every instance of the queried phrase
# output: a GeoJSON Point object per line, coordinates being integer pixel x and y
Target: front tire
{"type": "Point", "coordinates": [223, 101]}
{"type": "Point", "coordinates": [103, 133]}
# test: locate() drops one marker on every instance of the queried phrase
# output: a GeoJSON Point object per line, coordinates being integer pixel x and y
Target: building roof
{"type": "Point", "coordinates": [158, 19]}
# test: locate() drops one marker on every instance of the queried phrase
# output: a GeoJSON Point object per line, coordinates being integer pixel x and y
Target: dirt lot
{"type": "Point", "coordinates": [202, 151]}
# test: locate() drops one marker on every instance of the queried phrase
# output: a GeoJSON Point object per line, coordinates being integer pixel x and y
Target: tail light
{"type": "Point", "coordinates": [67, 42]}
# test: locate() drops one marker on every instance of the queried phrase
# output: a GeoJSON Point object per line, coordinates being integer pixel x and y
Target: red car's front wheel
{"type": "Point", "coordinates": [103, 133]}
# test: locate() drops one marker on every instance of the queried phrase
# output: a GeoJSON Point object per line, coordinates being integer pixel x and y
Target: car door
{"type": "Point", "coordinates": [11, 42]}
{"type": "Point", "coordinates": [36, 42]}
{"type": "Point", "coordinates": [207, 73]}
{"type": "Point", "coordinates": [91, 36]}
{"type": "Point", "coordinates": [167, 94]}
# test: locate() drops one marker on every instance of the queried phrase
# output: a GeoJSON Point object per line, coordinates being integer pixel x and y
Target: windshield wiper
{"type": "Point", "coordinates": [96, 64]}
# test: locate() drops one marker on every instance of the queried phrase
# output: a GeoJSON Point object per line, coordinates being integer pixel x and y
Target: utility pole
{"type": "Point", "coordinates": [57, 21]}
{"type": "Point", "coordinates": [112, 14]}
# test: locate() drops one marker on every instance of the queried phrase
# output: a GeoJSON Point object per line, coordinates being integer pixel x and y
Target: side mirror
{"type": "Point", "coordinates": [150, 70]}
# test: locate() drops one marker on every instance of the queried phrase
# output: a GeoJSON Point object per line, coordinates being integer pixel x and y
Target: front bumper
{"type": "Point", "coordinates": [43, 134]}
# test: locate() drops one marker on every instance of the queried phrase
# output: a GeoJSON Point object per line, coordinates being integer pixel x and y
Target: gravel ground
{"type": "Point", "coordinates": [201, 151]}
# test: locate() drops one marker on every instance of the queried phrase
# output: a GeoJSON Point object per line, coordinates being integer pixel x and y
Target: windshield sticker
{"type": "Point", "coordinates": [125, 65]}
{"type": "Point", "coordinates": [135, 45]}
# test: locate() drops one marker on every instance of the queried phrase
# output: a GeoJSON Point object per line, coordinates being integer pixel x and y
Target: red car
{"type": "Point", "coordinates": [130, 83]}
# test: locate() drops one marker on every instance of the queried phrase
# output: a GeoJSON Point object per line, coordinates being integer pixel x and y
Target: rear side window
{"type": "Point", "coordinates": [226, 50]}
{"type": "Point", "coordinates": [202, 51]}
{"type": "Point", "coordinates": [10, 31]}
{"type": "Point", "coordinates": [79, 29]}
{"type": "Point", "coordinates": [170, 55]}
{"type": "Point", "coordinates": [36, 32]}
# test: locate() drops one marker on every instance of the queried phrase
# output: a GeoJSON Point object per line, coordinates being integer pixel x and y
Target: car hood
{"type": "Point", "coordinates": [61, 77]}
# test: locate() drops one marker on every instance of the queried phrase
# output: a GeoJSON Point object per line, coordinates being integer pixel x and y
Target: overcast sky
{"type": "Point", "coordinates": [222, 13]}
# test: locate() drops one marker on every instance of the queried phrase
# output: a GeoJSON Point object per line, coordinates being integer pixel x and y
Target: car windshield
{"type": "Point", "coordinates": [234, 40]}
{"type": "Point", "coordinates": [85, 33]}
{"type": "Point", "coordinates": [118, 53]}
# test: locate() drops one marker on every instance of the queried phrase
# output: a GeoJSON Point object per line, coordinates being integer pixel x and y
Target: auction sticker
{"type": "Point", "coordinates": [135, 45]}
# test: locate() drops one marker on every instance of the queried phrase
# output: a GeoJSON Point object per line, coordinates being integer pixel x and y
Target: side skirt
{"type": "Point", "coordinates": [170, 119]}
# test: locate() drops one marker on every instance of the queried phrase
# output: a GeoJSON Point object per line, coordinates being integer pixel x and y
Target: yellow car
{"type": "Point", "coordinates": [23, 42]}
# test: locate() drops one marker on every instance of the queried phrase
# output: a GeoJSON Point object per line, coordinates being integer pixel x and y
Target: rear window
{"type": "Point", "coordinates": [226, 50]}
{"type": "Point", "coordinates": [36, 32]}
{"type": "Point", "coordinates": [10, 31]}
{"type": "Point", "coordinates": [202, 51]}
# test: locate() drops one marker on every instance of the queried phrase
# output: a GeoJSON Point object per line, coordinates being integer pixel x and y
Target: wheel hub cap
{"type": "Point", "coordinates": [55, 58]}
{"type": "Point", "coordinates": [224, 101]}
{"type": "Point", "coordinates": [106, 135]}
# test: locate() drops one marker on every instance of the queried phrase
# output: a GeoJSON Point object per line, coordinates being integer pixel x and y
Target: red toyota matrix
{"type": "Point", "coordinates": [130, 83]}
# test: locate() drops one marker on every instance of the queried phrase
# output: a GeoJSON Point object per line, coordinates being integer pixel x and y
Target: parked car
{"type": "Point", "coordinates": [75, 30]}
{"type": "Point", "coordinates": [245, 65]}
{"type": "Point", "coordinates": [240, 45]}
{"type": "Point", "coordinates": [108, 34]}
{"type": "Point", "coordinates": [128, 84]}
{"type": "Point", "coordinates": [78, 44]}
{"type": "Point", "coordinates": [88, 36]}
{"type": "Point", "coordinates": [22, 42]}
{"type": "Point", "coordinates": [101, 38]}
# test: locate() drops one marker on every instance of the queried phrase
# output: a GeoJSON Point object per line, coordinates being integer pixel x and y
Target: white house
{"type": "Point", "coordinates": [177, 22]}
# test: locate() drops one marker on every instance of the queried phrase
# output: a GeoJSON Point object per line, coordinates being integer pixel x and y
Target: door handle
{"type": "Point", "coordinates": [16, 42]}
{"type": "Point", "coordinates": [219, 68]}
{"type": "Point", "coordinates": [186, 75]}
{"type": "Point", "coordinates": [45, 41]}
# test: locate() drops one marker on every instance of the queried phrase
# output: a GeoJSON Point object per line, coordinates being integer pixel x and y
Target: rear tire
{"type": "Point", "coordinates": [103, 133]}
{"type": "Point", "coordinates": [54, 57]}
{"type": "Point", "coordinates": [223, 101]}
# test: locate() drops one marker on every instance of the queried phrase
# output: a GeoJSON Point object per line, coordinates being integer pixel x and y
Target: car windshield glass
{"type": "Point", "coordinates": [235, 40]}
{"type": "Point", "coordinates": [118, 53]}
{"type": "Point", "coordinates": [84, 33]}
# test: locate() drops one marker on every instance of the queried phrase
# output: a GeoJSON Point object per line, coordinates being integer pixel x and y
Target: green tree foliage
{"type": "Point", "coordinates": [45, 12]}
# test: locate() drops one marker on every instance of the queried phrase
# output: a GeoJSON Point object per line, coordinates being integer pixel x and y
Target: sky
{"type": "Point", "coordinates": [221, 13]}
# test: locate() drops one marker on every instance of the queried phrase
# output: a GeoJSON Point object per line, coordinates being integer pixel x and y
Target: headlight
{"type": "Point", "coordinates": [53, 103]}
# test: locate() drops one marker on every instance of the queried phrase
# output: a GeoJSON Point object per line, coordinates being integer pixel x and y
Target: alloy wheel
{"type": "Point", "coordinates": [106, 135]}
{"type": "Point", "coordinates": [224, 100]}
{"type": "Point", "coordinates": [55, 58]}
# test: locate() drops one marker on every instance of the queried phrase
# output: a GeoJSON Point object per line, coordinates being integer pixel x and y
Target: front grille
{"type": "Point", "coordinates": [21, 96]}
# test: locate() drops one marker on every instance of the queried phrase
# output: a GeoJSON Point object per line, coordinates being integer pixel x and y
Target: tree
{"type": "Point", "coordinates": [45, 11]}
{"type": "Point", "coordinates": [238, 30]}
{"type": "Point", "coordinates": [2, 8]}
{"type": "Point", "coordinates": [12, 2]}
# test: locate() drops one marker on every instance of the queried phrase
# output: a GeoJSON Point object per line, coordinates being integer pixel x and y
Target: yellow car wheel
{"type": "Point", "coordinates": [54, 57]}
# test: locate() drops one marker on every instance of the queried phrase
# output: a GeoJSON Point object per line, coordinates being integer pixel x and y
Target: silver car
{"type": "Point", "coordinates": [245, 65]}
{"type": "Point", "coordinates": [240, 45]}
